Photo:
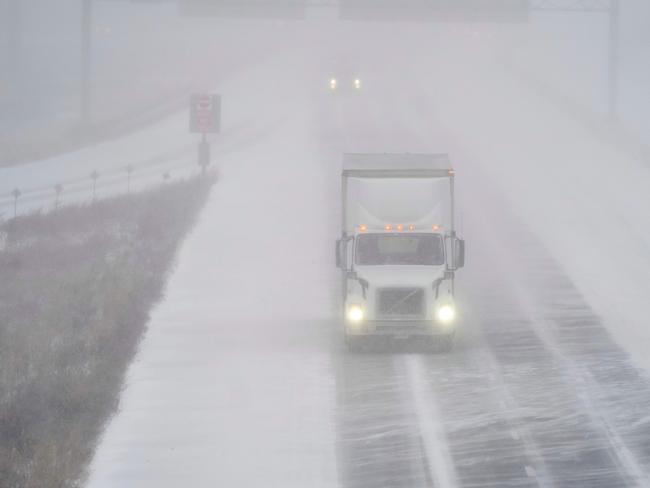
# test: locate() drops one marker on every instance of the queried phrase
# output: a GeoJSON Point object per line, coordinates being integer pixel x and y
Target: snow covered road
{"type": "Point", "coordinates": [243, 380]}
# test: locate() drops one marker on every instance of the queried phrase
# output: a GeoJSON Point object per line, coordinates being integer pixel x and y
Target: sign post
{"type": "Point", "coordinates": [205, 118]}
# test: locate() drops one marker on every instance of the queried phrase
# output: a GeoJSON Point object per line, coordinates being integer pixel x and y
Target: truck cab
{"type": "Point", "coordinates": [398, 276]}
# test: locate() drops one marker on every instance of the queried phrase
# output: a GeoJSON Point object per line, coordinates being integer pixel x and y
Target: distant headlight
{"type": "Point", "coordinates": [357, 84]}
{"type": "Point", "coordinates": [333, 84]}
{"type": "Point", "coordinates": [355, 314]}
{"type": "Point", "coordinates": [446, 314]}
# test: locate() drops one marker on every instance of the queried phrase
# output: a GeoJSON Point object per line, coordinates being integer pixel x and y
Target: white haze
{"type": "Point", "coordinates": [242, 378]}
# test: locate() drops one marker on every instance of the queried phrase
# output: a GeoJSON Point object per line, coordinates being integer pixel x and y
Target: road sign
{"type": "Point", "coordinates": [205, 113]}
{"type": "Point", "coordinates": [436, 10]}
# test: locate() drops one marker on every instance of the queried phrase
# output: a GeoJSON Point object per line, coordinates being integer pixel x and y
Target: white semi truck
{"type": "Point", "coordinates": [398, 250]}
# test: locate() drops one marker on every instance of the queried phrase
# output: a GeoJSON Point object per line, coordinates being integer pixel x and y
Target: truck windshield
{"type": "Point", "coordinates": [399, 249]}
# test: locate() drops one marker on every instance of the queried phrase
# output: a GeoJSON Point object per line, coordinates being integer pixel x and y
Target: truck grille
{"type": "Point", "coordinates": [400, 303]}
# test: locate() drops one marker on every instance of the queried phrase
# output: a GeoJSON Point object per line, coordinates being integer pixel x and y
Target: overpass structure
{"type": "Point", "coordinates": [435, 9]}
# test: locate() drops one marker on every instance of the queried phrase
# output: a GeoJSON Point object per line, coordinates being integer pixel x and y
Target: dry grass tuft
{"type": "Point", "coordinates": [76, 288]}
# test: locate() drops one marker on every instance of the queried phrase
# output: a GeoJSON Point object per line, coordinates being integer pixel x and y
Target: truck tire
{"type": "Point", "coordinates": [354, 343]}
{"type": "Point", "coordinates": [446, 343]}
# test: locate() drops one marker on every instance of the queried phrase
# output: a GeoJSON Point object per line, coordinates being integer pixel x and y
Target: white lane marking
{"type": "Point", "coordinates": [518, 430]}
{"type": "Point", "coordinates": [440, 463]}
{"type": "Point", "coordinates": [585, 387]}
{"type": "Point", "coordinates": [628, 464]}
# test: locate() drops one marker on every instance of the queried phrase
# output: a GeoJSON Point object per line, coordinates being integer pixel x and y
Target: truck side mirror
{"type": "Point", "coordinates": [339, 252]}
{"type": "Point", "coordinates": [343, 256]}
{"type": "Point", "coordinates": [459, 253]}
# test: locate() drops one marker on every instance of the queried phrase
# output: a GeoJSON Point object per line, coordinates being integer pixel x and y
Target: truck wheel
{"type": "Point", "coordinates": [354, 343]}
{"type": "Point", "coordinates": [446, 343]}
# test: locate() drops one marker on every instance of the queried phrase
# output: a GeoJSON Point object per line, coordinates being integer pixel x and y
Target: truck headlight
{"type": "Point", "coordinates": [355, 314]}
{"type": "Point", "coordinates": [446, 314]}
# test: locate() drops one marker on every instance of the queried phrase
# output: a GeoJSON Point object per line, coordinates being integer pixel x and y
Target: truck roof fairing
{"type": "Point", "coordinates": [400, 165]}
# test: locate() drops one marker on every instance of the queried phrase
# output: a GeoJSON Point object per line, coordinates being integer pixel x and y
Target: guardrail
{"type": "Point", "coordinates": [95, 185]}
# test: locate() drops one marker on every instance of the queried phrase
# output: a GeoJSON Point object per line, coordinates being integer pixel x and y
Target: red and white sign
{"type": "Point", "coordinates": [205, 113]}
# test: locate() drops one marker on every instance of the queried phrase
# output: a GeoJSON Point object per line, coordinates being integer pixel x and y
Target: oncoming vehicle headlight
{"type": "Point", "coordinates": [355, 314]}
{"type": "Point", "coordinates": [446, 314]}
{"type": "Point", "coordinates": [333, 84]}
{"type": "Point", "coordinates": [357, 84]}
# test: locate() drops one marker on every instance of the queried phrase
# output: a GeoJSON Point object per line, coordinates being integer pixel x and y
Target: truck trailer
{"type": "Point", "coordinates": [398, 251]}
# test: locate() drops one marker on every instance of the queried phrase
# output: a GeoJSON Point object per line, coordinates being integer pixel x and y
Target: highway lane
{"type": "Point", "coordinates": [533, 395]}
{"type": "Point", "coordinates": [384, 421]}
{"type": "Point", "coordinates": [243, 379]}
{"type": "Point", "coordinates": [233, 385]}
{"type": "Point", "coordinates": [515, 411]}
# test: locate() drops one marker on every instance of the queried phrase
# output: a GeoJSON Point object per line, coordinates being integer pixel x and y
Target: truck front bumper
{"type": "Point", "coordinates": [394, 328]}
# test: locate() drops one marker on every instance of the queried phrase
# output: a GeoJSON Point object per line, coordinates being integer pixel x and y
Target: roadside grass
{"type": "Point", "coordinates": [76, 288]}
